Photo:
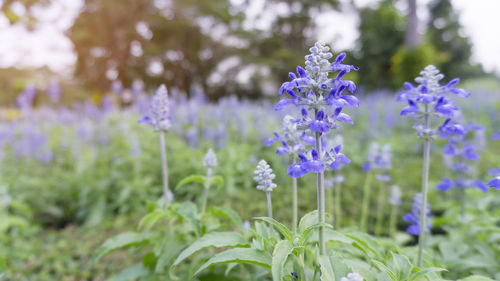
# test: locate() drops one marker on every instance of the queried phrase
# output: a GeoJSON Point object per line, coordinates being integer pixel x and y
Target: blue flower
{"type": "Point", "coordinates": [445, 184]}
{"type": "Point", "coordinates": [495, 183]}
{"type": "Point", "coordinates": [321, 100]}
{"type": "Point", "coordinates": [414, 216]}
{"type": "Point", "coordinates": [496, 136]}
{"type": "Point", "coordinates": [300, 168]}
{"type": "Point", "coordinates": [431, 95]}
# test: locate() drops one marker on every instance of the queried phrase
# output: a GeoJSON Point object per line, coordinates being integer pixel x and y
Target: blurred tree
{"type": "Point", "coordinates": [382, 31]}
{"type": "Point", "coordinates": [21, 11]}
{"type": "Point", "coordinates": [292, 32]}
{"type": "Point", "coordinates": [444, 31]}
{"type": "Point", "coordinates": [179, 43]}
{"type": "Point", "coordinates": [412, 38]}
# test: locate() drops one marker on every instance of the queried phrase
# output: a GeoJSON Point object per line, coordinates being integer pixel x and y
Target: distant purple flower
{"type": "Point", "coordinates": [159, 117]}
{"type": "Point", "coordinates": [414, 216]}
{"type": "Point", "coordinates": [116, 87]}
{"type": "Point", "coordinates": [26, 97]}
{"type": "Point", "coordinates": [496, 136]}
{"type": "Point", "coordinates": [495, 183]}
{"type": "Point", "coordinates": [54, 91]}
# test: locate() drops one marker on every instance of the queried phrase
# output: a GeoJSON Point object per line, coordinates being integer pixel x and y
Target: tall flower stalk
{"type": "Point", "coordinates": [321, 100]}
{"type": "Point", "coordinates": [428, 99]}
{"type": "Point", "coordinates": [292, 143]}
{"type": "Point", "coordinates": [368, 166]}
{"type": "Point", "coordinates": [264, 176]}
{"type": "Point", "coordinates": [383, 163]}
{"type": "Point", "coordinates": [209, 161]}
{"type": "Point", "coordinates": [395, 202]}
{"type": "Point", "coordinates": [159, 118]}
{"type": "Point", "coordinates": [458, 154]}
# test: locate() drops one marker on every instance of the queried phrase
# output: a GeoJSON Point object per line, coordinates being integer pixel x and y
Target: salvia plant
{"type": "Point", "coordinates": [160, 119]}
{"type": "Point", "coordinates": [293, 142]}
{"type": "Point", "coordinates": [415, 217]}
{"type": "Point", "coordinates": [264, 176]}
{"type": "Point", "coordinates": [395, 201]}
{"type": "Point", "coordinates": [321, 99]}
{"type": "Point", "coordinates": [429, 103]}
{"type": "Point", "coordinates": [460, 154]}
{"type": "Point", "coordinates": [383, 163]}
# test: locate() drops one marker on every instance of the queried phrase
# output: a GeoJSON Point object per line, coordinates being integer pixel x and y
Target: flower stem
{"type": "Point", "coordinates": [205, 192]}
{"type": "Point", "coordinates": [462, 204]}
{"type": "Point", "coordinates": [337, 207]}
{"type": "Point", "coordinates": [366, 202]}
{"type": "Point", "coordinates": [164, 170]}
{"type": "Point", "coordinates": [320, 186]}
{"type": "Point", "coordinates": [425, 187]}
{"type": "Point", "coordinates": [380, 210]}
{"type": "Point", "coordinates": [392, 227]}
{"type": "Point", "coordinates": [269, 209]}
{"type": "Point", "coordinates": [295, 210]}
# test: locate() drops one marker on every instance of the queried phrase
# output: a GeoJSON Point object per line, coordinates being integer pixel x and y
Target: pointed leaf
{"type": "Point", "coordinates": [127, 239]}
{"type": "Point", "coordinates": [239, 255]}
{"type": "Point", "coordinates": [280, 254]}
{"type": "Point", "coordinates": [281, 227]}
{"type": "Point", "coordinates": [193, 178]}
{"type": "Point", "coordinates": [213, 239]}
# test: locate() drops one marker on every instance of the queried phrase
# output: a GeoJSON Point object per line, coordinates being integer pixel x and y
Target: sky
{"type": "Point", "coordinates": [48, 46]}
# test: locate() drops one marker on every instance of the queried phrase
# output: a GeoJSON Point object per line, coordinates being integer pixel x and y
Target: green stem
{"type": "Point", "coordinates": [366, 202]}
{"type": "Point", "coordinates": [425, 187]}
{"type": "Point", "coordinates": [205, 192]}
{"type": "Point", "coordinates": [380, 210]}
{"type": "Point", "coordinates": [269, 209]}
{"type": "Point", "coordinates": [295, 200]}
{"type": "Point", "coordinates": [337, 207]}
{"type": "Point", "coordinates": [394, 214]}
{"type": "Point", "coordinates": [320, 186]}
{"type": "Point", "coordinates": [164, 170]}
{"type": "Point", "coordinates": [462, 203]}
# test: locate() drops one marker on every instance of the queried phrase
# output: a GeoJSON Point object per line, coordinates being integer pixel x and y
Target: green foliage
{"type": "Point", "coordinates": [445, 33]}
{"type": "Point", "coordinates": [407, 64]}
{"type": "Point", "coordinates": [381, 35]}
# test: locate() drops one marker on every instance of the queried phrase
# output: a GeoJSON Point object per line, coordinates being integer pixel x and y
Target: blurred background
{"type": "Point", "coordinates": [90, 48]}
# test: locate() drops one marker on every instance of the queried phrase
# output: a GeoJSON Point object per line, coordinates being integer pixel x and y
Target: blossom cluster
{"type": "Point", "coordinates": [264, 176]}
{"type": "Point", "coordinates": [429, 98]}
{"type": "Point", "coordinates": [459, 153]}
{"type": "Point", "coordinates": [321, 100]}
{"type": "Point", "coordinates": [159, 117]}
{"type": "Point", "coordinates": [414, 216]}
{"type": "Point", "coordinates": [379, 158]}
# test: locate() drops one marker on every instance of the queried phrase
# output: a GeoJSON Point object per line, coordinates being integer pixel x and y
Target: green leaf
{"type": "Point", "coordinates": [308, 220]}
{"type": "Point", "coordinates": [305, 234]}
{"type": "Point", "coordinates": [387, 270]}
{"type": "Point", "coordinates": [476, 278]}
{"type": "Point", "coordinates": [149, 220]}
{"type": "Point", "coordinates": [229, 213]}
{"type": "Point", "coordinates": [131, 273]}
{"type": "Point", "coordinates": [332, 267]}
{"type": "Point", "coordinates": [280, 254]}
{"type": "Point", "coordinates": [171, 248]}
{"type": "Point", "coordinates": [193, 178]}
{"type": "Point", "coordinates": [127, 239]}
{"type": "Point", "coordinates": [281, 227]}
{"type": "Point", "coordinates": [217, 180]}
{"type": "Point", "coordinates": [401, 266]}
{"type": "Point", "coordinates": [424, 272]}
{"type": "Point", "coordinates": [213, 239]}
{"type": "Point", "coordinates": [239, 255]}
{"type": "Point", "coordinates": [366, 243]}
